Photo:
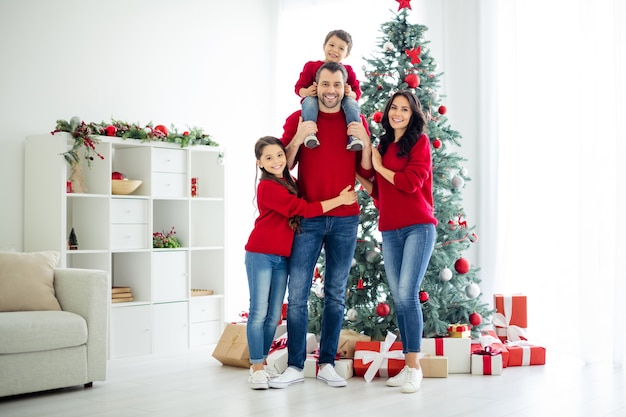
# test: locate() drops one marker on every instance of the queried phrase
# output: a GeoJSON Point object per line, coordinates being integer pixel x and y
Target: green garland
{"type": "Point", "coordinates": [86, 136]}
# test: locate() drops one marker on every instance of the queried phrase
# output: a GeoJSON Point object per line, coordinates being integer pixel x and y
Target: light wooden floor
{"type": "Point", "coordinates": [194, 384]}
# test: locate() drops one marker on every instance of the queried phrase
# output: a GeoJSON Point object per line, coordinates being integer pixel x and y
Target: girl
{"type": "Point", "coordinates": [269, 247]}
{"type": "Point", "coordinates": [402, 191]}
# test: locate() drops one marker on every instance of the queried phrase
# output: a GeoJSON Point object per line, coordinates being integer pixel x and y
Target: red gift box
{"type": "Point", "coordinates": [382, 359]}
{"type": "Point", "coordinates": [523, 353]}
{"type": "Point", "coordinates": [510, 319]}
{"type": "Point", "coordinates": [489, 338]}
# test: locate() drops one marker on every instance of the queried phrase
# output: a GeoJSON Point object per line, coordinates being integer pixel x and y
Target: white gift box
{"type": "Point", "coordinates": [456, 349]}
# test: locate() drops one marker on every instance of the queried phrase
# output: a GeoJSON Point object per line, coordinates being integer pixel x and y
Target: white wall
{"type": "Point", "coordinates": [213, 64]}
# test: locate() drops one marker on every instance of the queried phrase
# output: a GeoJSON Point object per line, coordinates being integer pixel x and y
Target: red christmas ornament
{"type": "Point", "coordinates": [412, 80]}
{"type": "Point", "coordinates": [437, 143]}
{"type": "Point", "coordinates": [382, 309]}
{"type": "Point", "coordinates": [442, 110]}
{"type": "Point", "coordinates": [451, 224]}
{"type": "Point", "coordinates": [378, 116]}
{"type": "Point", "coordinates": [473, 237]}
{"type": "Point", "coordinates": [359, 285]}
{"type": "Point", "coordinates": [423, 296]}
{"type": "Point", "coordinates": [462, 266]}
{"type": "Point", "coordinates": [161, 129]}
{"type": "Point", "coordinates": [380, 87]}
{"type": "Point", "coordinates": [475, 319]}
{"type": "Point", "coordinates": [110, 130]}
{"type": "Point", "coordinates": [185, 133]}
{"type": "Point", "coordinates": [404, 4]}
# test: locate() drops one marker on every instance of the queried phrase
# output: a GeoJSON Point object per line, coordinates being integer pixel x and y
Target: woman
{"type": "Point", "coordinates": [402, 192]}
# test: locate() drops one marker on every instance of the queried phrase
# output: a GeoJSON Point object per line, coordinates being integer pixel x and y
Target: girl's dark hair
{"type": "Point", "coordinates": [287, 180]}
{"type": "Point", "coordinates": [413, 131]}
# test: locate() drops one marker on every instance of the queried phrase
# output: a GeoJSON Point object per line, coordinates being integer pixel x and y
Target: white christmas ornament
{"type": "Point", "coordinates": [319, 290]}
{"type": "Point", "coordinates": [353, 262]}
{"type": "Point", "coordinates": [458, 182]}
{"type": "Point", "coordinates": [472, 290]}
{"type": "Point", "coordinates": [463, 171]}
{"type": "Point", "coordinates": [445, 274]}
{"type": "Point", "coordinates": [351, 314]}
{"type": "Point", "coordinates": [388, 46]}
{"type": "Point", "coordinates": [434, 95]}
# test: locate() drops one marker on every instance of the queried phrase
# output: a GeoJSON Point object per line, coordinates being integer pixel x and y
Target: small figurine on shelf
{"type": "Point", "coordinates": [73, 240]}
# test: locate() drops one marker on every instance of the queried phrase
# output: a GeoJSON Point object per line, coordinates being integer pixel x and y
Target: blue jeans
{"type": "Point", "coordinates": [310, 108]}
{"type": "Point", "coordinates": [267, 281]}
{"type": "Point", "coordinates": [406, 252]}
{"type": "Point", "coordinates": [338, 236]}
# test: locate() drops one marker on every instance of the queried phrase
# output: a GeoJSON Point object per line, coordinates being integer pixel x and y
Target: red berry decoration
{"type": "Point", "coordinates": [162, 129]}
{"type": "Point", "coordinates": [110, 130]}
{"type": "Point", "coordinates": [462, 266]}
{"type": "Point", "coordinates": [423, 296]}
{"type": "Point", "coordinates": [382, 309]}
{"type": "Point", "coordinates": [437, 143]}
{"type": "Point", "coordinates": [378, 116]}
{"type": "Point", "coordinates": [380, 87]}
{"type": "Point", "coordinates": [475, 319]}
{"type": "Point", "coordinates": [412, 80]}
{"type": "Point", "coordinates": [442, 110]}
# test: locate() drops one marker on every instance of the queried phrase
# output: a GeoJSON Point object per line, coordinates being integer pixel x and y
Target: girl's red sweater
{"type": "Point", "coordinates": [410, 200]}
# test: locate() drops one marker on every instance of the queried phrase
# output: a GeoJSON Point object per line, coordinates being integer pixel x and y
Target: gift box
{"type": "Point", "coordinates": [523, 353]}
{"type": "Point", "coordinates": [347, 341]}
{"type": "Point", "coordinates": [434, 366]}
{"type": "Point", "coordinates": [459, 330]}
{"type": "Point", "coordinates": [232, 348]}
{"type": "Point", "coordinates": [510, 319]}
{"type": "Point", "coordinates": [343, 367]}
{"type": "Point", "coordinates": [487, 361]}
{"type": "Point", "coordinates": [278, 356]}
{"type": "Point", "coordinates": [457, 349]}
{"type": "Point", "coordinates": [489, 338]}
{"type": "Point", "coordinates": [382, 359]}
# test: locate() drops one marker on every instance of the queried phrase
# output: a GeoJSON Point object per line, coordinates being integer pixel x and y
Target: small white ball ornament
{"type": "Point", "coordinates": [472, 290]}
{"type": "Point", "coordinates": [463, 171]}
{"type": "Point", "coordinates": [458, 182]}
{"type": "Point", "coordinates": [353, 264]}
{"type": "Point", "coordinates": [388, 46]}
{"type": "Point", "coordinates": [351, 314]}
{"type": "Point", "coordinates": [319, 290]}
{"type": "Point", "coordinates": [445, 274]}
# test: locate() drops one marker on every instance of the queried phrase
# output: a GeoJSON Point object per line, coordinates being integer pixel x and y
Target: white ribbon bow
{"type": "Point", "coordinates": [511, 332]}
{"type": "Point", "coordinates": [378, 358]}
{"type": "Point", "coordinates": [525, 345]}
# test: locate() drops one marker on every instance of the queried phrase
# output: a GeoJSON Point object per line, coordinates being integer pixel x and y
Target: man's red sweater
{"type": "Point", "coordinates": [410, 200]}
{"type": "Point", "coordinates": [272, 233]}
{"type": "Point", "coordinates": [325, 171]}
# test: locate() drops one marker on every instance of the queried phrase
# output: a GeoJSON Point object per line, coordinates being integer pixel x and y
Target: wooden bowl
{"type": "Point", "coordinates": [123, 187]}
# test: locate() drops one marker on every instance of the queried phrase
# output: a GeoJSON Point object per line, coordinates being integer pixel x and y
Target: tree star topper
{"type": "Point", "coordinates": [404, 4]}
{"type": "Point", "coordinates": [414, 55]}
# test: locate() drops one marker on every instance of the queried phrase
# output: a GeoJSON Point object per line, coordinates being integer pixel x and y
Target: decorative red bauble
{"type": "Point", "coordinates": [451, 224]}
{"type": "Point", "coordinates": [382, 309]}
{"type": "Point", "coordinates": [110, 130]}
{"type": "Point", "coordinates": [380, 87]}
{"type": "Point", "coordinates": [377, 117]}
{"type": "Point", "coordinates": [162, 129]}
{"type": "Point", "coordinates": [475, 319]}
{"type": "Point", "coordinates": [359, 285]}
{"type": "Point", "coordinates": [442, 110]}
{"type": "Point", "coordinates": [437, 143]}
{"type": "Point", "coordinates": [462, 266]}
{"type": "Point", "coordinates": [423, 296]}
{"type": "Point", "coordinates": [185, 133]}
{"type": "Point", "coordinates": [412, 80]}
{"type": "Point", "coordinates": [473, 237]}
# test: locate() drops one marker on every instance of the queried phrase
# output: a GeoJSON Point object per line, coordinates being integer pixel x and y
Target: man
{"type": "Point", "coordinates": [322, 173]}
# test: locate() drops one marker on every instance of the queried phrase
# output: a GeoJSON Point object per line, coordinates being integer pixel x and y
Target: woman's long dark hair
{"type": "Point", "coordinates": [286, 181]}
{"type": "Point", "coordinates": [413, 131]}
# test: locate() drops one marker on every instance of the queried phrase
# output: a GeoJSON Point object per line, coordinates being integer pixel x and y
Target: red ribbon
{"type": "Point", "coordinates": [316, 354]}
{"type": "Point", "coordinates": [487, 353]}
{"type": "Point", "coordinates": [487, 365]}
{"type": "Point", "coordinates": [439, 346]}
{"type": "Point", "coordinates": [278, 345]}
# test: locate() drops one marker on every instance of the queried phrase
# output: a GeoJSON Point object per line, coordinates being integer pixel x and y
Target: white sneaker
{"type": "Point", "coordinates": [328, 374]}
{"type": "Point", "coordinates": [289, 377]}
{"type": "Point", "coordinates": [311, 142]}
{"type": "Point", "coordinates": [413, 380]}
{"type": "Point", "coordinates": [354, 144]}
{"type": "Point", "coordinates": [259, 380]}
{"type": "Point", "coordinates": [398, 380]}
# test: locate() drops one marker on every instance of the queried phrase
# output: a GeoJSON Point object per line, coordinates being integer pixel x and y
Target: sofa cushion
{"type": "Point", "coordinates": [33, 331]}
{"type": "Point", "coordinates": [27, 281]}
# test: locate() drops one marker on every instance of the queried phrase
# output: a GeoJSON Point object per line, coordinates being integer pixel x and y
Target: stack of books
{"type": "Point", "coordinates": [121, 295]}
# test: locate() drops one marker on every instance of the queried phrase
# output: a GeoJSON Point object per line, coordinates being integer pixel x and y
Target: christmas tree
{"type": "Point", "coordinates": [450, 292]}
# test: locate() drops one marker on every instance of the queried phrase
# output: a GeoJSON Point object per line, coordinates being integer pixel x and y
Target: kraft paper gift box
{"type": "Point", "coordinates": [456, 349]}
{"type": "Point", "coordinates": [343, 367]}
{"type": "Point", "coordinates": [510, 319]}
{"type": "Point", "coordinates": [232, 348]}
{"type": "Point", "coordinates": [347, 341]}
{"type": "Point", "coordinates": [278, 356]}
{"type": "Point", "coordinates": [489, 338]}
{"type": "Point", "coordinates": [434, 366]}
{"type": "Point", "coordinates": [523, 353]}
{"type": "Point", "coordinates": [487, 361]}
{"type": "Point", "coordinates": [383, 359]}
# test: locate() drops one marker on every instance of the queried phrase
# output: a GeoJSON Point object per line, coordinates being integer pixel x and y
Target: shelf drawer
{"type": "Point", "coordinates": [169, 160]}
{"type": "Point", "coordinates": [169, 184]}
{"type": "Point", "coordinates": [206, 333]}
{"type": "Point", "coordinates": [129, 236]}
{"type": "Point", "coordinates": [129, 211]}
{"type": "Point", "coordinates": [205, 309]}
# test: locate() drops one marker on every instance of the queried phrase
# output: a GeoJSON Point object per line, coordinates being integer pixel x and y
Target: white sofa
{"type": "Point", "coordinates": [42, 350]}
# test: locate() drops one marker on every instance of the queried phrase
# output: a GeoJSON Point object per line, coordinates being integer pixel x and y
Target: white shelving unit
{"type": "Point", "coordinates": [114, 233]}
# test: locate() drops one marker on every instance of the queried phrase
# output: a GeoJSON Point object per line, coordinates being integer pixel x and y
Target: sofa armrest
{"type": "Point", "coordinates": [87, 292]}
